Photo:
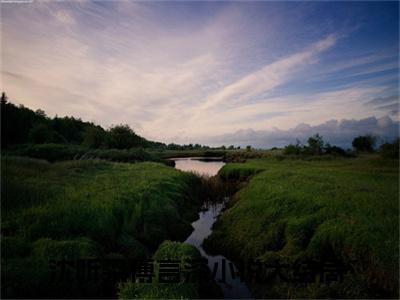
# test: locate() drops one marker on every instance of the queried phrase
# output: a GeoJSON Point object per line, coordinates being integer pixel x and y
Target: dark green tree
{"type": "Point", "coordinates": [123, 137]}
{"type": "Point", "coordinates": [41, 133]}
{"type": "Point", "coordinates": [364, 143]}
{"type": "Point", "coordinates": [315, 144]}
{"type": "Point", "coordinates": [94, 136]}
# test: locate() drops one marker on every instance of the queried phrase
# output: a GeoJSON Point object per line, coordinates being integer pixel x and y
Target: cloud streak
{"type": "Point", "coordinates": [185, 71]}
{"type": "Point", "coordinates": [268, 77]}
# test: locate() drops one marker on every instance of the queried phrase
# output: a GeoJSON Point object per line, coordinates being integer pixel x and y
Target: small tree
{"type": "Point", "coordinates": [364, 143]}
{"type": "Point", "coordinates": [248, 148]}
{"type": "Point", "coordinates": [4, 98]}
{"type": "Point", "coordinates": [315, 144]}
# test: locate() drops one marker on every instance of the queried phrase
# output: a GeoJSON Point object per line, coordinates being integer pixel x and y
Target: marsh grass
{"type": "Point", "coordinates": [65, 152]}
{"type": "Point", "coordinates": [187, 288]}
{"type": "Point", "coordinates": [86, 208]}
{"type": "Point", "coordinates": [345, 209]}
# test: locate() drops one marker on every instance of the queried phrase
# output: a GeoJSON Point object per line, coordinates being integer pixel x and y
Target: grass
{"type": "Point", "coordinates": [345, 208]}
{"type": "Point", "coordinates": [64, 152]}
{"type": "Point", "coordinates": [87, 208]}
{"type": "Point", "coordinates": [167, 251]}
{"type": "Point", "coordinates": [185, 289]}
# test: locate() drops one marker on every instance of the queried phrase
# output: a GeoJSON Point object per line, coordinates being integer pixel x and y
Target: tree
{"type": "Point", "coordinates": [41, 113]}
{"type": "Point", "coordinates": [4, 98]}
{"type": "Point", "coordinates": [94, 136]}
{"type": "Point", "coordinates": [335, 150]}
{"type": "Point", "coordinates": [248, 148]}
{"type": "Point", "coordinates": [364, 143]}
{"type": "Point", "coordinates": [41, 133]}
{"type": "Point", "coordinates": [123, 137]}
{"type": "Point", "coordinates": [315, 144]}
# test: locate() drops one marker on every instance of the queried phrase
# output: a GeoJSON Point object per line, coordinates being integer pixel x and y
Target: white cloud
{"type": "Point", "coordinates": [336, 132]}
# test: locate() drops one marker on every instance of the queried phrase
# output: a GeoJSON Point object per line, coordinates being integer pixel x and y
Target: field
{"type": "Point", "coordinates": [85, 209]}
{"type": "Point", "coordinates": [345, 209]}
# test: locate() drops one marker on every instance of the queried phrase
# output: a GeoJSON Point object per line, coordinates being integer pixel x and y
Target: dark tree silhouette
{"type": "Point", "coordinates": [364, 143]}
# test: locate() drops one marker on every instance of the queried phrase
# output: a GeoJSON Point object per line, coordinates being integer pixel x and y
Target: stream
{"type": "Point", "coordinates": [232, 286]}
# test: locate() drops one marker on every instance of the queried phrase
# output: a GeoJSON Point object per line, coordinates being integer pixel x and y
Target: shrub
{"type": "Point", "coordinates": [292, 149]}
{"type": "Point", "coordinates": [364, 143]}
{"type": "Point", "coordinates": [390, 150]}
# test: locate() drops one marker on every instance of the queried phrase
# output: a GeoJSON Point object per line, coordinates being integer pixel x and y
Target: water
{"type": "Point", "coordinates": [231, 286]}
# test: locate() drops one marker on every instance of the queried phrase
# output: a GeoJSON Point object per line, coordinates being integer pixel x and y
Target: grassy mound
{"type": "Point", "coordinates": [185, 289]}
{"type": "Point", "coordinates": [346, 209]}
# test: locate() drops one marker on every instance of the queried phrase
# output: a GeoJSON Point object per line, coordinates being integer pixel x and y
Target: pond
{"type": "Point", "coordinates": [223, 268]}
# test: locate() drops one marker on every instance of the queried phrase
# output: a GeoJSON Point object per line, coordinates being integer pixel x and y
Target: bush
{"type": "Point", "coordinates": [390, 150]}
{"type": "Point", "coordinates": [292, 149]}
{"type": "Point", "coordinates": [51, 152]}
{"type": "Point", "coordinates": [334, 150]}
{"type": "Point", "coordinates": [364, 143]}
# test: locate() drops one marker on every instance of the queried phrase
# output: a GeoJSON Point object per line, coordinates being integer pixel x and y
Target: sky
{"type": "Point", "coordinates": [241, 73]}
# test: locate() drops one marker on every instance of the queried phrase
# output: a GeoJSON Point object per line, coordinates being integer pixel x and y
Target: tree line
{"type": "Point", "coordinates": [21, 125]}
{"type": "Point", "coordinates": [364, 143]}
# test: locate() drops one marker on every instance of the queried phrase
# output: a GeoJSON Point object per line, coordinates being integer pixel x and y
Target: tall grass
{"type": "Point", "coordinates": [345, 209]}
{"type": "Point", "coordinates": [63, 152]}
{"type": "Point", "coordinates": [185, 289]}
{"type": "Point", "coordinates": [86, 208]}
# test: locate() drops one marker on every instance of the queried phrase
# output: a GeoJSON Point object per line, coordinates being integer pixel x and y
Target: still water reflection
{"type": "Point", "coordinates": [232, 286]}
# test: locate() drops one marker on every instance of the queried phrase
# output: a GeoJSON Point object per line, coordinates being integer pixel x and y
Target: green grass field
{"type": "Point", "coordinates": [84, 209]}
{"type": "Point", "coordinates": [291, 209]}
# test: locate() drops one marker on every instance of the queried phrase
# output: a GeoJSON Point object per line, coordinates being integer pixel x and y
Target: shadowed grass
{"type": "Point", "coordinates": [187, 288]}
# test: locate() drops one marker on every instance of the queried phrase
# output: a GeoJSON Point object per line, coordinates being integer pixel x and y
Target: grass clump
{"type": "Point", "coordinates": [186, 288]}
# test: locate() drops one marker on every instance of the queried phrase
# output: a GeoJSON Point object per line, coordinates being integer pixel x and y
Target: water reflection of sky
{"type": "Point", "coordinates": [232, 287]}
{"type": "Point", "coordinates": [209, 168]}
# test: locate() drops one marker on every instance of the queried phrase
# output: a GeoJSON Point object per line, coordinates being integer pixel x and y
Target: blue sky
{"type": "Point", "coordinates": [261, 73]}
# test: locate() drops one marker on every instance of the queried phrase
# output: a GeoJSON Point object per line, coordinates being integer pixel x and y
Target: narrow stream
{"type": "Point", "coordinates": [232, 286]}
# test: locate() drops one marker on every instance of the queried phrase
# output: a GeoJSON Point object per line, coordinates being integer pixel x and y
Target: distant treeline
{"type": "Point", "coordinates": [364, 143]}
{"type": "Point", "coordinates": [21, 125]}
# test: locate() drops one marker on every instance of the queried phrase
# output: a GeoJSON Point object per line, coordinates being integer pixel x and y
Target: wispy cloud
{"type": "Point", "coordinates": [182, 71]}
{"type": "Point", "coordinates": [268, 77]}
